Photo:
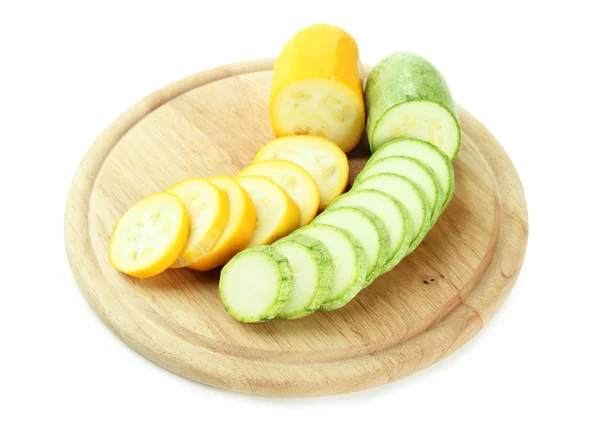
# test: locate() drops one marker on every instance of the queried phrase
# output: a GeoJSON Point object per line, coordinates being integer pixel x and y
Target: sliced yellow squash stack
{"type": "Point", "coordinates": [276, 214]}
{"type": "Point", "coordinates": [321, 158]}
{"type": "Point", "coordinates": [317, 114]}
{"type": "Point", "coordinates": [294, 181]}
{"type": "Point", "coordinates": [290, 180]}
{"type": "Point", "coordinates": [208, 209]}
{"type": "Point", "coordinates": [239, 229]}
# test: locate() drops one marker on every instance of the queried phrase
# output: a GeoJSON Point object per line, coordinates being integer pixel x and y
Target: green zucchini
{"type": "Point", "coordinates": [427, 154]}
{"type": "Point", "coordinates": [391, 212]}
{"type": "Point", "coordinates": [415, 171]}
{"type": "Point", "coordinates": [406, 96]}
{"type": "Point", "coordinates": [312, 269]}
{"type": "Point", "coordinates": [367, 228]}
{"type": "Point", "coordinates": [255, 284]}
{"type": "Point", "coordinates": [349, 262]}
{"type": "Point", "coordinates": [409, 194]}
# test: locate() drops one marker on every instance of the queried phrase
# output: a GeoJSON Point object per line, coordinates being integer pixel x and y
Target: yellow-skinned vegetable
{"type": "Point", "coordinates": [317, 87]}
{"type": "Point", "coordinates": [239, 229]}
{"type": "Point", "coordinates": [294, 180]}
{"type": "Point", "coordinates": [208, 209]}
{"type": "Point", "coordinates": [276, 214]}
{"type": "Point", "coordinates": [321, 158]}
{"type": "Point", "coordinates": [149, 236]}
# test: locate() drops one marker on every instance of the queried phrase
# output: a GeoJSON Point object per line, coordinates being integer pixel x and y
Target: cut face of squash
{"type": "Point", "coordinates": [149, 236]}
{"type": "Point", "coordinates": [294, 180]}
{"type": "Point", "coordinates": [239, 229]}
{"type": "Point", "coordinates": [208, 209]}
{"type": "Point", "coordinates": [320, 157]}
{"type": "Point", "coordinates": [319, 107]}
{"type": "Point", "coordinates": [317, 87]}
{"type": "Point", "coordinates": [276, 214]}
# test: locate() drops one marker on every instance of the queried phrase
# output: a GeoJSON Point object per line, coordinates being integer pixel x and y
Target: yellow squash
{"type": "Point", "coordinates": [239, 229]}
{"type": "Point", "coordinates": [208, 209]}
{"type": "Point", "coordinates": [317, 87]}
{"type": "Point", "coordinates": [149, 236]}
{"type": "Point", "coordinates": [294, 180]}
{"type": "Point", "coordinates": [318, 156]}
{"type": "Point", "coordinates": [276, 214]}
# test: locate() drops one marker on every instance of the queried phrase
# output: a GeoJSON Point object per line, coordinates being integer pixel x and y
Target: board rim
{"type": "Point", "coordinates": [218, 367]}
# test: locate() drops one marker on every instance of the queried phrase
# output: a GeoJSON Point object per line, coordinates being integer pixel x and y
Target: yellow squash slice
{"type": "Point", "coordinates": [296, 182]}
{"type": "Point", "coordinates": [317, 87]}
{"type": "Point", "coordinates": [208, 209]}
{"type": "Point", "coordinates": [239, 229]}
{"type": "Point", "coordinates": [149, 236]}
{"type": "Point", "coordinates": [321, 158]}
{"type": "Point", "coordinates": [276, 214]}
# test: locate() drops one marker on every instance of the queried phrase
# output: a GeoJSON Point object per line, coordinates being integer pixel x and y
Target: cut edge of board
{"type": "Point", "coordinates": [165, 346]}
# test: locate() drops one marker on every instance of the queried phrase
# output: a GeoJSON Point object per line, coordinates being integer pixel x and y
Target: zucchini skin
{"type": "Point", "coordinates": [409, 143]}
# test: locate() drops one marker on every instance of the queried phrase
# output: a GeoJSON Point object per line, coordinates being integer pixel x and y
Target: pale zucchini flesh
{"type": "Point", "coordinates": [392, 214]}
{"type": "Point", "coordinates": [349, 263]}
{"type": "Point", "coordinates": [312, 270]}
{"type": "Point", "coordinates": [420, 120]}
{"type": "Point", "coordinates": [409, 194]}
{"type": "Point", "coordinates": [415, 171]}
{"type": "Point", "coordinates": [367, 228]}
{"type": "Point", "coordinates": [427, 154]}
{"type": "Point", "coordinates": [256, 284]}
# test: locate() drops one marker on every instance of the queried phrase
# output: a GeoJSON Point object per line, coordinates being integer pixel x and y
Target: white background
{"type": "Point", "coordinates": [528, 70]}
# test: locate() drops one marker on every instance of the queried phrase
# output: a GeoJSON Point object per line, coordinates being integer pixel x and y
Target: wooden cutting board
{"type": "Point", "coordinates": [423, 310]}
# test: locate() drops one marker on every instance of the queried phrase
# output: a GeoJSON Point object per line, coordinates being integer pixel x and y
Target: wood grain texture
{"type": "Point", "coordinates": [423, 310]}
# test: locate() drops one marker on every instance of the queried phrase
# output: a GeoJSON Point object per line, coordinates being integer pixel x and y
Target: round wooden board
{"type": "Point", "coordinates": [213, 123]}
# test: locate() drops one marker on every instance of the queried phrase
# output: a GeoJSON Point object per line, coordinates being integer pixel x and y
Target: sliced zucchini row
{"type": "Point", "coordinates": [349, 262]}
{"type": "Point", "coordinates": [312, 270]}
{"type": "Point", "coordinates": [368, 229]}
{"type": "Point", "coordinates": [409, 194]}
{"type": "Point", "coordinates": [392, 214]}
{"type": "Point", "coordinates": [415, 171]}
{"type": "Point", "coordinates": [427, 154]}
